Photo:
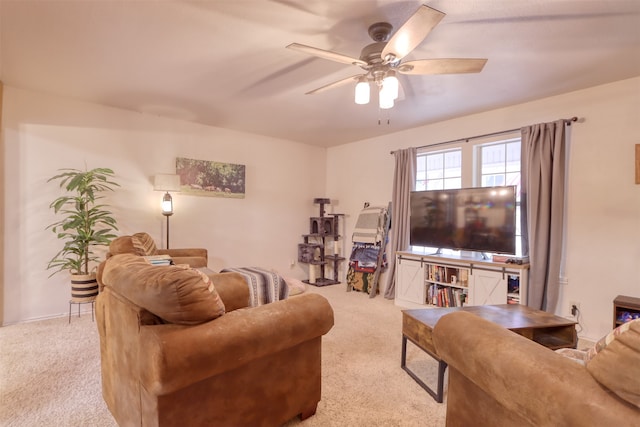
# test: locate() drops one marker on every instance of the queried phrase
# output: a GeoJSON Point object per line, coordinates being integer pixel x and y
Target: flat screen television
{"type": "Point", "coordinates": [479, 219]}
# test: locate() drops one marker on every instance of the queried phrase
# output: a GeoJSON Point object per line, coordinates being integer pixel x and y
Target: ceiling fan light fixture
{"type": "Point", "coordinates": [385, 98]}
{"type": "Point", "coordinates": [363, 93]}
{"type": "Point", "coordinates": [382, 60]}
{"type": "Point", "coordinates": [390, 83]}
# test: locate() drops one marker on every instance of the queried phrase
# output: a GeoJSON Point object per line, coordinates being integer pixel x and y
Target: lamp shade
{"type": "Point", "coordinates": [166, 182]}
{"type": "Point", "coordinates": [391, 85]}
{"type": "Point", "coordinates": [362, 91]}
{"type": "Point", "coordinates": [385, 99]}
{"type": "Point", "coordinates": [167, 204]}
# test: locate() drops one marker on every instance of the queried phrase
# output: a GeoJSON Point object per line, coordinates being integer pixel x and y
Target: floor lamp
{"type": "Point", "coordinates": [167, 183]}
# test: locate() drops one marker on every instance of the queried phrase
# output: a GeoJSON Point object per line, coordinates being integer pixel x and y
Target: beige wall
{"type": "Point", "coordinates": [603, 212]}
{"type": "Point", "coordinates": [1, 210]}
{"type": "Point", "coordinates": [44, 133]}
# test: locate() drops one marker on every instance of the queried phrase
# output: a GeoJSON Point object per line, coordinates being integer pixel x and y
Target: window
{"type": "Point", "coordinates": [497, 163]}
{"type": "Point", "coordinates": [439, 170]}
{"type": "Point", "coordinates": [500, 165]}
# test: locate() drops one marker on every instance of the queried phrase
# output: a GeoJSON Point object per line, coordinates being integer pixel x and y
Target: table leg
{"type": "Point", "coordinates": [442, 366]}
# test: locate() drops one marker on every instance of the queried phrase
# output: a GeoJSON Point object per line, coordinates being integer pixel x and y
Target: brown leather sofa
{"type": "Point", "coordinates": [499, 378]}
{"type": "Point", "coordinates": [171, 357]}
{"type": "Point", "coordinates": [143, 244]}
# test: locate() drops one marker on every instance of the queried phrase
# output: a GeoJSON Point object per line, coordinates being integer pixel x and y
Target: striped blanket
{"type": "Point", "coordinates": [370, 225]}
{"type": "Point", "coordinates": [264, 286]}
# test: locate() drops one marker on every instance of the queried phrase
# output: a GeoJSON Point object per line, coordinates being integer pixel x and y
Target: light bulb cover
{"type": "Point", "coordinates": [362, 95]}
{"type": "Point", "coordinates": [385, 99]}
{"type": "Point", "coordinates": [390, 83]}
{"type": "Point", "coordinates": [167, 204]}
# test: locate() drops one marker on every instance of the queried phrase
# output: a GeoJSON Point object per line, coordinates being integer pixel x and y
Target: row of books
{"type": "Point", "coordinates": [456, 276]}
{"type": "Point", "coordinates": [444, 296]}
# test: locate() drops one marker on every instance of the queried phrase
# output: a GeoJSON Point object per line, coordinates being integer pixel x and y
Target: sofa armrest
{"type": "Point", "coordinates": [183, 252]}
{"type": "Point", "coordinates": [177, 356]}
{"type": "Point", "coordinates": [194, 257]}
{"type": "Point", "coordinates": [524, 377]}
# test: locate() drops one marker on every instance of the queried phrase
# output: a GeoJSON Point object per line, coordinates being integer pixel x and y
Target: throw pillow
{"type": "Point", "coordinates": [573, 354]}
{"type": "Point", "coordinates": [296, 286]}
{"type": "Point", "coordinates": [614, 361]}
{"type": "Point", "coordinates": [125, 245]}
{"type": "Point", "coordinates": [144, 243]}
{"type": "Point", "coordinates": [603, 342]}
{"type": "Point", "coordinates": [174, 294]}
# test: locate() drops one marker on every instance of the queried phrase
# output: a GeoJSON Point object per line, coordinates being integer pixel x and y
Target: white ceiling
{"type": "Point", "coordinates": [224, 62]}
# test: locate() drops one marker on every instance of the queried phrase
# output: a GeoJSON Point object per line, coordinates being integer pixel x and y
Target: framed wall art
{"type": "Point", "coordinates": [209, 178]}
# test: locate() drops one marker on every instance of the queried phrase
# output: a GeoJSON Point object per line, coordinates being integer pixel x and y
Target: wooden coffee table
{"type": "Point", "coordinates": [544, 328]}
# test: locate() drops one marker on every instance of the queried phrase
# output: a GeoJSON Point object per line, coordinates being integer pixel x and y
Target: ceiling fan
{"type": "Point", "coordinates": [382, 59]}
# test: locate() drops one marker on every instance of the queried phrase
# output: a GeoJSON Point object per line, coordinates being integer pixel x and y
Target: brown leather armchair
{"type": "Point", "coordinates": [167, 360]}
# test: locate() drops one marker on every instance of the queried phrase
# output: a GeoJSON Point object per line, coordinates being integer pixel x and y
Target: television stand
{"type": "Point", "coordinates": [456, 280]}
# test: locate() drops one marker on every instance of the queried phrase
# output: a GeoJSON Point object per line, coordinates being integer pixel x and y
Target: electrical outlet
{"type": "Point", "coordinates": [574, 311]}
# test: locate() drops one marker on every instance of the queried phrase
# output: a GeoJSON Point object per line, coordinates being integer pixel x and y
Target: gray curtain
{"type": "Point", "coordinates": [404, 181]}
{"type": "Point", "coordinates": [543, 194]}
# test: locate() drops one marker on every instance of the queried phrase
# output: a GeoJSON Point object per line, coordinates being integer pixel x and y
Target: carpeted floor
{"type": "Point", "coordinates": [50, 374]}
{"type": "Point", "coordinates": [50, 371]}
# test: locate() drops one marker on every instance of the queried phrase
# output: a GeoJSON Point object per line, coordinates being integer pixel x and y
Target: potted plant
{"type": "Point", "coordinates": [85, 223]}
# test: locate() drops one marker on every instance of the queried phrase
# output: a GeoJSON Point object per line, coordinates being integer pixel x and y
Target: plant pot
{"type": "Point", "coordinates": [84, 287]}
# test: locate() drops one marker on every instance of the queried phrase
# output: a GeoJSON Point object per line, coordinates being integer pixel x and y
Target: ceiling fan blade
{"type": "Point", "coordinates": [335, 84]}
{"type": "Point", "coordinates": [443, 66]}
{"type": "Point", "coordinates": [326, 54]}
{"type": "Point", "coordinates": [411, 33]}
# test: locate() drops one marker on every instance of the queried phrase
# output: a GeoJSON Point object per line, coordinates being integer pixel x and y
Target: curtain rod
{"type": "Point", "coordinates": [566, 122]}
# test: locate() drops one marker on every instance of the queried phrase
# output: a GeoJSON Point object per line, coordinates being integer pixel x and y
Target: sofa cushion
{"type": "Point", "coordinates": [614, 361]}
{"type": "Point", "coordinates": [174, 294]}
{"type": "Point", "coordinates": [144, 243]}
{"type": "Point", "coordinates": [124, 245]}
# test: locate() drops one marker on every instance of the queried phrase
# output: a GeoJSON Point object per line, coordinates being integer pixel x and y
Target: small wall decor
{"type": "Point", "coordinates": [208, 178]}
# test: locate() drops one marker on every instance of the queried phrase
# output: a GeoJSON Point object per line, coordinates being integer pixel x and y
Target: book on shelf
{"type": "Point", "coordinates": [442, 274]}
{"type": "Point", "coordinates": [513, 298]}
{"type": "Point", "coordinates": [158, 259]}
{"type": "Point", "coordinates": [445, 296]}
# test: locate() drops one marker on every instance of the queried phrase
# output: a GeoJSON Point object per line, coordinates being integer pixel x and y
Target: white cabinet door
{"type": "Point", "coordinates": [410, 284]}
{"type": "Point", "coordinates": [489, 287]}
